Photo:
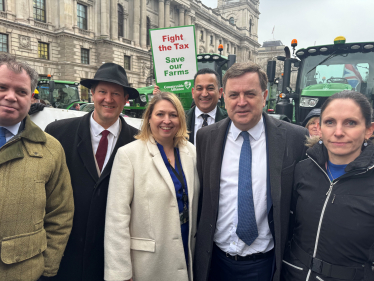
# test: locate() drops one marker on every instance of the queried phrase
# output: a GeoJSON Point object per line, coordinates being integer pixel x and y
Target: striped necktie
{"type": "Point", "coordinates": [205, 118]}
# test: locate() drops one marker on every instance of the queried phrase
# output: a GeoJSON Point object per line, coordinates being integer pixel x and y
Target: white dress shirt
{"type": "Point", "coordinates": [199, 120]}
{"type": "Point", "coordinates": [11, 131]}
{"type": "Point", "coordinates": [96, 129]}
{"type": "Point", "coordinates": [225, 234]}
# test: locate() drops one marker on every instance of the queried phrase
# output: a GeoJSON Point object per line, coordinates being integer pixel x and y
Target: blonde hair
{"type": "Point", "coordinates": [311, 120]}
{"type": "Point", "coordinates": [145, 131]}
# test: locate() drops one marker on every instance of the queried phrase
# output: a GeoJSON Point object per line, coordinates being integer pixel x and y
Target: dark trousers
{"type": "Point", "coordinates": [224, 269]}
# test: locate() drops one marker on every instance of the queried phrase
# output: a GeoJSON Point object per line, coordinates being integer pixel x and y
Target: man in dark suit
{"type": "Point", "coordinates": [206, 93]}
{"type": "Point", "coordinates": [90, 143]}
{"type": "Point", "coordinates": [245, 165]}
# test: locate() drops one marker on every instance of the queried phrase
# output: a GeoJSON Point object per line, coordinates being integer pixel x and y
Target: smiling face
{"type": "Point", "coordinates": [244, 100]}
{"type": "Point", "coordinates": [206, 92]}
{"type": "Point", "coordinates": [164, 122]}
{"type": "Point", "coordinates": [109, 100]}
{"type": "Point", "coordinates": [343, 130]}
{"type": "Point", "coordinates": [15, 96]}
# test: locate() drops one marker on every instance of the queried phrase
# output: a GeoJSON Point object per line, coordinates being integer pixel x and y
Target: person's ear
{"type": "Point", "coordinates": [369, 131]}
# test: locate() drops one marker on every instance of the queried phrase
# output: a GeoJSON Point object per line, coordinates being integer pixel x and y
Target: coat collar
{"type": "Point", "coordinates": [33, 140]}
{"type": "Point", "coordinates": [85, 150]}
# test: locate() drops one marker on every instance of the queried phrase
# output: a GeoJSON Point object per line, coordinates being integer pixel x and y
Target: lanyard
{"type": "Point", "coordinates": [184, 215]}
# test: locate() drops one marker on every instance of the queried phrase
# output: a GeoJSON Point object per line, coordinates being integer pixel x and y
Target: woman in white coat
{"type": "Point", "coordinates": [152, 200]}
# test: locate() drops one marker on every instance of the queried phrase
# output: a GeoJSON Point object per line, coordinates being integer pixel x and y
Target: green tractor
{"type": "Point", "coordinates": [323, 71]}
{"type": "Point", "coordinates": [60, 94]}
{"type": "Point", "coordinates": [216, 62]}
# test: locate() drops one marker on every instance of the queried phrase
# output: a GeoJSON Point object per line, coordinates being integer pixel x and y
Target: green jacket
{"type": "Point", "coordinates": [190, 120]}
{"type": "Point", "coordinates": [36, 205]}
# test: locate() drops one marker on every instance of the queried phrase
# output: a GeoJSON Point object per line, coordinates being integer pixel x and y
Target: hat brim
{"type": "Point", "coordinates": [133, 93]}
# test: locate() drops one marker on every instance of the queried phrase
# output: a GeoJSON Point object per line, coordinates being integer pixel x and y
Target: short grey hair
{"type": "Point", "coordinates": [239, 69]}
{"type": "Point", "coordinates": [17, 67]}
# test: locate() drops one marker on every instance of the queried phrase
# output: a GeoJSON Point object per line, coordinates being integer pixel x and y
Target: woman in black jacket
{"type": "Point", "coordinates": [332, 212]}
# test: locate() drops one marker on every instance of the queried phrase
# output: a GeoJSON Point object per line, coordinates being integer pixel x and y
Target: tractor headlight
{"type": "Point", "coordinates": [143, 98]}
{"type": "Point", "coordinates": [308, 102]}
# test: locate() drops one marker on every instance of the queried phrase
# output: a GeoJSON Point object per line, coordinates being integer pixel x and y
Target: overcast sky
{"type": "Point", "coordinates": [314, 21]}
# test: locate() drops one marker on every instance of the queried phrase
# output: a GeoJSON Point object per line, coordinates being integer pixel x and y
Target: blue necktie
{"type": "Point", "coordinates": [2, 136]}
{"type": "Point", "coordinates": [247, 227]}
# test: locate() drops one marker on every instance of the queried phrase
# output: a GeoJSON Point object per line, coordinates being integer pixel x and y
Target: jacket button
{"type": "Point", "coordinates": [17, 259]}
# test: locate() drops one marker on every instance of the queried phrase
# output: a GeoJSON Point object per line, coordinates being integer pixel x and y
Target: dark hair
{"type": "Point", "coordinates": [360, 99]}
{"type": "Point", "coordinates": [75, 105]}
{"type": "Point", "coordinates": [17, 67]}
{"type": "Point", "coordinates": [208, 71]}
{"type": "Point", "coordinates": [239, 69]}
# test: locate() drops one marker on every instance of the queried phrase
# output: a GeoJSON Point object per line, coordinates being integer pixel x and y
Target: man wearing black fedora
{"type": "Point", "coordinates": [90, 144]}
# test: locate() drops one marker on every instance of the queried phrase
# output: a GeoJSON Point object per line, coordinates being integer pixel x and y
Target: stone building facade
{"type": "Point", "coordinates": [269, 51]}
{"type": "Point", "coordinates": [70, 39]}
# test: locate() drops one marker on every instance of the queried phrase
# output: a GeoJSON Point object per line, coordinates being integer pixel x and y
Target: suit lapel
{"type": "Point", "coordinates": [124, 138]}
{"type": "Point", "coordinates": [217, 140]}
{"type": "Point", "coordinates": [160, 165]}
{"type": "Point", "coordinates": [191, 125]}
{"type": "Point", "coordinates": [84, 146]}
{"type": "Point", "coordinates": [276, 137]}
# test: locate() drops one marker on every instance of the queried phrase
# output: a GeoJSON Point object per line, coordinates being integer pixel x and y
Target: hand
{"type": "Point", "coordinates": [156, 90]}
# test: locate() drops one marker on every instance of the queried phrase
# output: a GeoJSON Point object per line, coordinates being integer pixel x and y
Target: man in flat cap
{"type": "Point", "coordinates": [90, 144]}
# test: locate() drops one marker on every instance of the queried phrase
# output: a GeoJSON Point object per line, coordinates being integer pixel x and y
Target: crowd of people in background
{"type": "Point", "coordinates": [207, 194]}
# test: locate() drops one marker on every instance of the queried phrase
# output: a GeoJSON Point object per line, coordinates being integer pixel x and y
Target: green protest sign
{"type": "Point", "coordinates": [174, 57]}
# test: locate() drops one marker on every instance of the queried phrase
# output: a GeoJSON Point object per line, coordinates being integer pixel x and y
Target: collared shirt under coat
{"type": "Point", "coordinates": [225, 235]}
{"type": "Point", "coordinates": [96, 130]}
{"type": "Point", "coordinates": [199, 119]}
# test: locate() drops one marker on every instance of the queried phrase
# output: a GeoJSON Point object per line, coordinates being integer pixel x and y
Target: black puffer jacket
{"type": "Point", "coordinates": [332, 223]}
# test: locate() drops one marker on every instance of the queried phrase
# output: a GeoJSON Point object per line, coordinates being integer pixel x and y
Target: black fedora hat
{"type": "Point", "coordinates": [113, 73]}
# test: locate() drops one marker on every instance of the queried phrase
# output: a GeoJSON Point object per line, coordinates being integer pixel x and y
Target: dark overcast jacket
{"type": "Point", "coordinates": [333, 222]}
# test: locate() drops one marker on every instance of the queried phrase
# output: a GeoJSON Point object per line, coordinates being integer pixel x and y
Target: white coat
{"type": "Point", "coordinates": [143, 237]}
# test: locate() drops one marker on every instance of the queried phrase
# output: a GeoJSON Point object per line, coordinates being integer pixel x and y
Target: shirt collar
{"type": "Point", "coordinates": [97, 128]}
{"type": "Point", "coordinates": [13, 129]}
{"type": "Point", "coordinates": [254, 132]}
{"type": "Point", "coordinates": [212, 114]}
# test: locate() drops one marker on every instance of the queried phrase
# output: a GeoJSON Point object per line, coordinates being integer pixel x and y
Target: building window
{"type": "Point", "coordinates": [2, 6]}
{"type": "Point", "coordinates": [148, 28]}
{"type": "Point", "coordinates": [250, 26]}
{"type": "Point", "coordinates": [39, 10]}
{"type": "Point", "coordinates": [232, 21]}
{"type": "Point", "coordinates": [127, 63]}
{"type": "Point", "coordinates": [120, 21]}
{"type": "Point", "coordinates": [85, 56]}
{"type": "Point", "coordinates": [3, 43]}
{"type": "Point", "coordinates": [201, 35]}
{"type": "Point", "coordinates": [211, 39]}
{"type": "Point", "coordinates": [43, 51]}
{"type": "Point", "coordinates": [82, 16]}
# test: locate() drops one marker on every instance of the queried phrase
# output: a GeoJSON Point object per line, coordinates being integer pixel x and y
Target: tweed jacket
{"type": "Point", "coordinates": [36, 203]}
{"type": "Point", "coordinates": [142, 233]}
{"type": "Point", "coordinates": [190, 120]}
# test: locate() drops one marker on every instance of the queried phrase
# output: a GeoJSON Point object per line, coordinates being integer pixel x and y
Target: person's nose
{"type": "Point", "coordinates": [339, 132]}
{"type": "Point", "coordinates": [204, 92]}
{"type": "Point", "coordinates": [108, 98]}
{"type": "Point", "coordinates": [11, 96]}
{"type": "Point", "coordinates": [242, 101]}
{"type": "Point", "coordinates": [166, 119]}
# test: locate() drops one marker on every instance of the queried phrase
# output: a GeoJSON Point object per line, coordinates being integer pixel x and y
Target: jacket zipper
{"type": "Point", "coordinates": [328, 194]}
